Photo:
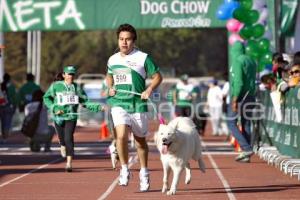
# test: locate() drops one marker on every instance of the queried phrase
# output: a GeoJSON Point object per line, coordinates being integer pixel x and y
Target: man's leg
{"type": "Point", "coordinates": [232, 125]}
{"type": "Point", "coordinates": [122, 143]}
{"type": "Point", "coordinates": [142, 150]}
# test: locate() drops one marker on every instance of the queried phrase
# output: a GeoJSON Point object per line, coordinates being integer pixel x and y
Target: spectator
{"type": "Point", "coordinates": [296, 58]}
{"type": "Point", "coordinates": [214, 102]}
{"type": "Point", "coordinates": [44, 133]}
{"type": "Point", "coordinates": [8, 102]}
{"type": "Point", "coordinates": [26, 91]}
{"type": "Point", "coordinates": [242, 96]}
{"type": "Point", "coordinates": [279, 67]}
{"type": "Point", "coordinates": [183, 96]}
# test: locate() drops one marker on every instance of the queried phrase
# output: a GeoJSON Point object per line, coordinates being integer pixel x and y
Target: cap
{"type": "Point", "coordinates": [70, 69]}
{"type": "Point", "coordinates": [265, 72]}
{"type": "Point", "coordinates": [184, 77]}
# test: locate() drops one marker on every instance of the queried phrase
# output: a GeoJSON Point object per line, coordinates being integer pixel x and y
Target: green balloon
{"type": "Point", "coordinates": [246, 4]}
{"type": "Point", "coordinates": [251, 49]}
{"type": "Point", "coordinates": [258, 30]}
{"type": "Point", "coordinates": [246, 32]}
{"type": "Point", "coordinates": [266, 58]}
{"type": "Point", "coordinates": [240, 15]}
{"type": "Point", "coordinates": [264, 45]}
{"type": "Point", "coordinates": [253, 16]}
{"type": "Point", "coordinates": [261, 66]}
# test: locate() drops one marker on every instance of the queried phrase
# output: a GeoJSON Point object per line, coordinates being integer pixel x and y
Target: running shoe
{"type": "Point", "coordinates": [124, 177]}
{"type": "Point", "coordinates": [63, 151]}
{"type": "Point", "coordinates": [144, 182]}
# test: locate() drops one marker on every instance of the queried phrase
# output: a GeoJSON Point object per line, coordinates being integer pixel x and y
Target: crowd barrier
{"type": "Point", "coordinates": [284, 134]}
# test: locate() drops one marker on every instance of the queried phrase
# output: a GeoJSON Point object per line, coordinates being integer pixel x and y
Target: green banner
{"type": "Point", "coordinates": [288, 17]}
{"type": "Point", "coordinates": [285, 134]}
{"type": "Point", "coordinates": [23, 15]}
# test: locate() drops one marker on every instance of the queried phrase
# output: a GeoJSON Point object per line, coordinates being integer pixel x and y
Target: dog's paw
{"type": "Point", "coordinates": [171, 192]}
{"type": "Point", "coordinates": [164, 190]}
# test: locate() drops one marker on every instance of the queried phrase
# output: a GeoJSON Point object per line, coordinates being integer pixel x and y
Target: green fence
{"type": "Point", "coordinates": [285, 135]}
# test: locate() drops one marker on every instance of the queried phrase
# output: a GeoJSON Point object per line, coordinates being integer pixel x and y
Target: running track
{"type": "Point", "coordinates": [41, 176]}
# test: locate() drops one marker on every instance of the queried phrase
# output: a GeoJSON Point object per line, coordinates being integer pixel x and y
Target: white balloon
{"type": "Point", "coordinates": [263, 17]}
{"type": "Point", "coordinates": [259, 4]}
{"type": "Point", "coordinates": [268, 34]}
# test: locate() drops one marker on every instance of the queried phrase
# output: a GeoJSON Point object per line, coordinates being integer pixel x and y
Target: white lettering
{"type": "Point", "coordinates": [70, 11]}
{"type": "Point", "coordinates": [47, 6]}
{"type": "Point", "coordinates": [189, 7]}
{"type": "Point", "coordinates": [4, 10]}
{"type": "Point", "coordinates": [198, 21]}
{"type": "Point", "coordinates": [145, 7]}
{"type": "Point", "coordinates": [21, 11]}
{"type": "Point", "coordinates": [153, 7]}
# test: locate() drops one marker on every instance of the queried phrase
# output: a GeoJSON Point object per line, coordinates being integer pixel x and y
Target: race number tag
{"type": "Point", "coordinates": [122, 77]}
{"type": "Point", "coordinates": [183, 95]}
{"type": "Point", "coordinates": [67, 98]}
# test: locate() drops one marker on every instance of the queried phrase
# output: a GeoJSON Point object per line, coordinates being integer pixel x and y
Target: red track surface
{"type": "Point", "coordinates": [30, 176]}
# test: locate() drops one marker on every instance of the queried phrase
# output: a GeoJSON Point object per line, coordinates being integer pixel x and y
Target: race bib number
{"type": "Point", "coordinates": [67, 98]}
{"type": "Point", "coordinates": [183, 95]}
{"type": "Point", "coordinates": [120, 79]}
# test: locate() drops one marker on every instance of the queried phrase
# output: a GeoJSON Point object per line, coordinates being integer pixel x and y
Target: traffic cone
{"type": "Point", "coordinates": [104, 132]}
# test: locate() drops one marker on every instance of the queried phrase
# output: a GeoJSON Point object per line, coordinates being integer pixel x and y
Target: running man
{"type": "Point", "coordinates": [126, 76]}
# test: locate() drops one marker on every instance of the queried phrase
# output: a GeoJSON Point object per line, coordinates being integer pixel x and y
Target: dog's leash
{"type": "Point", "coordinates": [158, 115]}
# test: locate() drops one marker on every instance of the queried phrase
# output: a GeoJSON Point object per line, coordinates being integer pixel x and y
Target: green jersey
{"type": "Point", "coordinates": [67, 98]}
{"type": "Point", "coordinates": [129, 74]}
{"type": "Point", "coordinates": [184, 94]}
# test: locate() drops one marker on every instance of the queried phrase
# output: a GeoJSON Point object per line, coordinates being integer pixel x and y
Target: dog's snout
{"type": "Point", "coordinates": [164, 139]}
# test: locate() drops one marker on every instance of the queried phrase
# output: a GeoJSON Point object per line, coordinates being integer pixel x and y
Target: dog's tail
{"type": "Point", "coordinates": [201, 164]}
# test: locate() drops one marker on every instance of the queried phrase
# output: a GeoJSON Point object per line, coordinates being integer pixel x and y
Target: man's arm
{"type": "Point", "coordinates": [156, 80]}
{"type": "Point", "coordinates": [110, 84]}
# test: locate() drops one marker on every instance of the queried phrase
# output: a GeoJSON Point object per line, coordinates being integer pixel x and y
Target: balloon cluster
{"type": "Point", "coordinates": [246, 22]}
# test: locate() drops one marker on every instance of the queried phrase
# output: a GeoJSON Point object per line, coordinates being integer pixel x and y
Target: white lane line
{"type": "Point", "coordinates": [30, 172]}
{"type": "Point", "coordinates": [220, 175]}
{"type": "Point", "coordinates": [132, 161]}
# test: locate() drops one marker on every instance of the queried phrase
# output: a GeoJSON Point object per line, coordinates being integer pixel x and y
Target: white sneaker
{"type": "Point", "coordinates": [124, 177]}
{"type": "Point", "coordinates": [63, 151]}
{"type": "Point", "coordinates": [144, 182]}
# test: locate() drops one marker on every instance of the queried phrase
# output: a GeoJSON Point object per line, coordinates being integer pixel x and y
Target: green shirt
{"type": "Point", "coordinates": [26, 91]}
{"type": "Point", "coordinates": [67, 98]}
{"type": "Point", "coordinates": [242, 73]}
{"type": "Point", "coordinates": [129, 74]}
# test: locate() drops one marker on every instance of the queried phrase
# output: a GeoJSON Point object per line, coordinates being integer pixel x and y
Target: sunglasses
{"type": "Point", "coordinates": [294, 72]}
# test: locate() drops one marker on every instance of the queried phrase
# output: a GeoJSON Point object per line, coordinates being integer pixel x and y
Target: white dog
{"type": "Point", "coordinates": [178, 142]}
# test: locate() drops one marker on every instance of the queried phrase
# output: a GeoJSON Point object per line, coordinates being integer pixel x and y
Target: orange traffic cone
{"type": "Point", "coordinates": [104, 132]}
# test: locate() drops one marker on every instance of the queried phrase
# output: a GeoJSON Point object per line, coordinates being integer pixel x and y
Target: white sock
{"type": "Point", "coordinates": [144, 170]}
{"type": "Point", "coordinates": [125, 167]}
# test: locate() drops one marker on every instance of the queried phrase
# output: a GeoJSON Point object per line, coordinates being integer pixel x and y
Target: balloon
{"type": "Point", "coordinates": [264, 13]}
{"type": "Point", "coordinates": [234, 37]}
{"type": "Point", "coordinates": [228, 1]}
{"type": "Point", "coordinates": [263, 45]}
{"type": "Point", "coordinates": [231, 7]}
{"type": "Point", "coordinates": [258, 30]}
{"type": "Point", "coordinates": [268, 35]}
{"type": "Point", "coordinates": [266, 58]}
{"type": "Point", "coordinates": [233, 25]}
{"type": "Point", "coordinates": [247, 4]}
{"type": "Point", "coordinates": [239, 14]}
{"type": "Point", "coordinates": [248, 17]}
{"type": "Point", "coordinates": [246, 32]}
{"type": "Point", "coordinates": [251, 49]}
{"type": "Point", "coordinates": [261, 67]}
{"type": "Point", "coordinates": [253, 16]}
{"type": "Point", "coordinates": [223, 12]}
{"type": "Point", "coordinates": [259, 4]}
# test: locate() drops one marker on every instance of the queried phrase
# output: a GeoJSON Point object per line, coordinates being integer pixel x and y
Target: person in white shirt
{"type": "Point", "coordinates": [214, 102]}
